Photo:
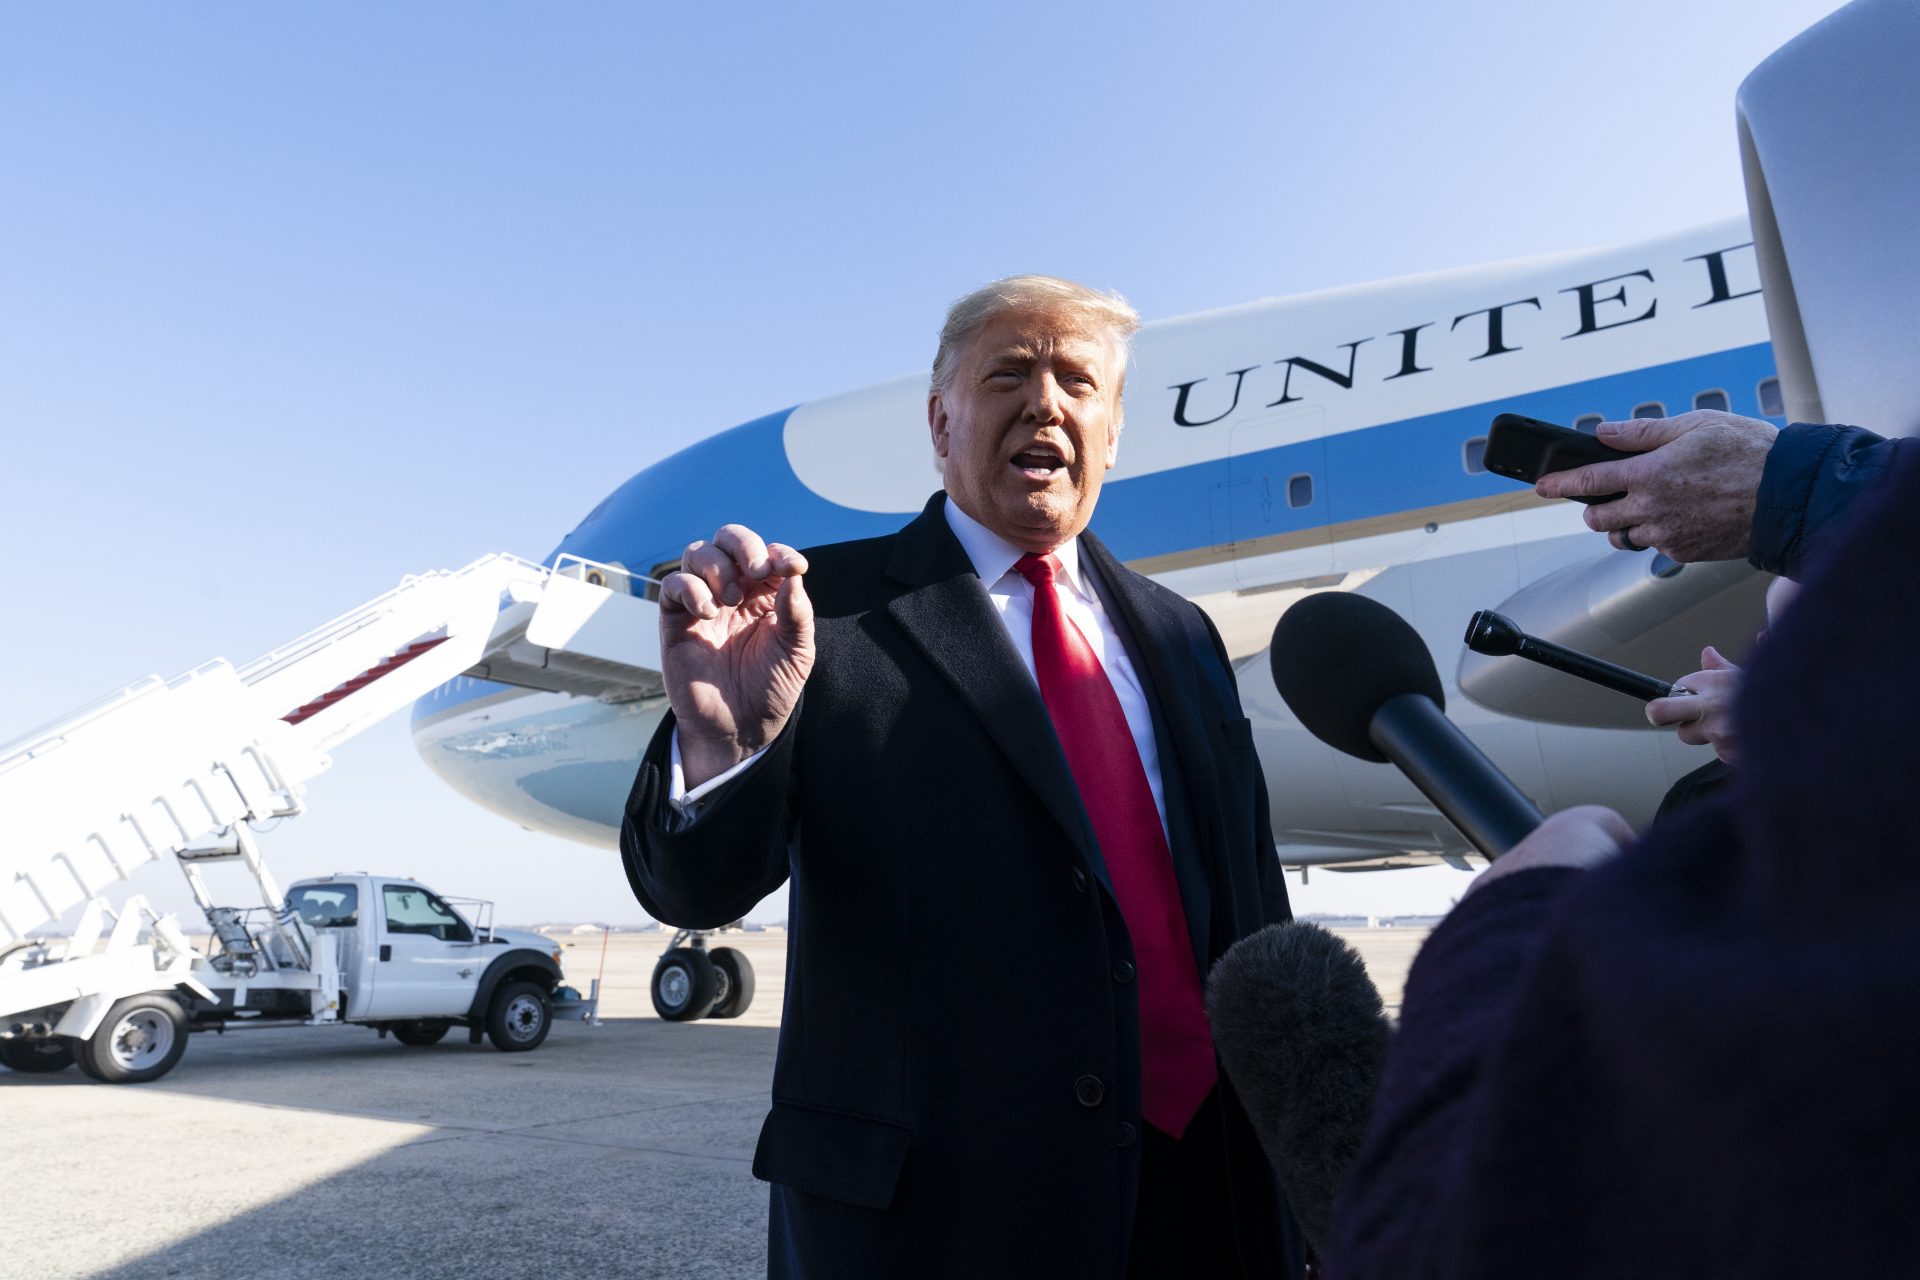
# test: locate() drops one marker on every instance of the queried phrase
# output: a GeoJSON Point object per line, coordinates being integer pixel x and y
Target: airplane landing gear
{"type": "Point", "coordinates": [692, 982]}
{"type": "Point", "coordinates": [734, 977]}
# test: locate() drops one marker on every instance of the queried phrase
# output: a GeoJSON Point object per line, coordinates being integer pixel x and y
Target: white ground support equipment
{"type": "Point", "coordinates": [177, 769]}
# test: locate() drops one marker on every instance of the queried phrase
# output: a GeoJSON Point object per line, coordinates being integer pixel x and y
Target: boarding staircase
{"type": "Point", "coordinates": [169, 769]}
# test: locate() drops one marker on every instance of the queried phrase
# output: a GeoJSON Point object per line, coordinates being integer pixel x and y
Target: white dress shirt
{"type": "Point", "coordinates": [993, 559]}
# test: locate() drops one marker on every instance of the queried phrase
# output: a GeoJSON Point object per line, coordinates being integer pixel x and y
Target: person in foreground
{"type": "Point", "coordinates": [1692, 1059]}
{"type": "Point", "coordinates": [1018, 803]}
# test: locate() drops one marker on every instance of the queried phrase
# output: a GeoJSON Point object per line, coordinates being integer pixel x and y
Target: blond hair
{"type": "Point", "coordinates": [1096, 311]}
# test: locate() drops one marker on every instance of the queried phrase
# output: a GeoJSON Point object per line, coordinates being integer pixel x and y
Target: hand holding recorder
{"type": "Point", "coordinates": [1684, 485]}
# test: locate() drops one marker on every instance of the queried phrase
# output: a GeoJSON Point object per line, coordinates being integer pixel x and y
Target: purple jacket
{"type": "Point", "coordinates": [1696, 1061]}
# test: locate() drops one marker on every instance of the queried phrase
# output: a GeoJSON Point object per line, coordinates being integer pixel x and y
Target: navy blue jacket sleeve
{"type": "Point", "coordinates": [1813, 474]}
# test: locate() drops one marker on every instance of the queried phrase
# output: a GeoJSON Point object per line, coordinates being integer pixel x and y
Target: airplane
{"type": "Point", "coordinates": [1326, 442]}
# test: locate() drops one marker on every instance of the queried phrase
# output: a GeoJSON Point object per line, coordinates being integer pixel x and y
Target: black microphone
{"type": "Point", "coordinates": [1361, 679]}
{"type": "Point", "coordinates": [1495, 635]}
{"type": "Point", "coordinates": [1302, 1035]}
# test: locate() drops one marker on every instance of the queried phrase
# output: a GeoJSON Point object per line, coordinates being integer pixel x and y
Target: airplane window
{"type": "Point", "coordinates": [1300, 491]}
{"type": "Point", "coordinates": [1772, 403]}
{"type": "Point", "coordinates": [1588, 422]}
{"type": "Point", "coordinates": [1473, 456]}
{"type": "Point", "coordinates": [1650, 409]}
{"type": "Point", "coordinates": [659, 572]}
{"type": "Point", "coordinates": [1711, 400]}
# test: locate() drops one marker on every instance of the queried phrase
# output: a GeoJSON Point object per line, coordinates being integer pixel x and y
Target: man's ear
{"type": "Point", "coordinates": [937, 423]}
{"type": "Point", "coordinates": [1113, 437]}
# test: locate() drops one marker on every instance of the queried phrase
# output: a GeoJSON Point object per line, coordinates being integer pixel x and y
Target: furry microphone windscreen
{"type": "Point", "coordinates": [1302, 1034]}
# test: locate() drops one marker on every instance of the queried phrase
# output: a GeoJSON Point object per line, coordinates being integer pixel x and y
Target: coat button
{"type": "Point", "coordinates": [1089, 1091]}
{"type": "Point", "coordinates": [1122, 972]}
{"type": "Point", "coordinates": [1079, 880]}
{"type": "Point", "coordinates": [1128, 1135]}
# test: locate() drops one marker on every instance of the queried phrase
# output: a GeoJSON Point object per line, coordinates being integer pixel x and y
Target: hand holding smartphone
{"type": "Point", "coordinates": [1524, 449]}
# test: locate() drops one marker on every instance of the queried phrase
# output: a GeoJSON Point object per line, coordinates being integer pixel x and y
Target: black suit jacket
{"type": "Point", "coordinates": [957, 1086]}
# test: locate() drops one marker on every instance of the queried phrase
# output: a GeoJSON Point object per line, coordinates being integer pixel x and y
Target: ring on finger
{"type": "Point", "coordinates": [1626, 541]}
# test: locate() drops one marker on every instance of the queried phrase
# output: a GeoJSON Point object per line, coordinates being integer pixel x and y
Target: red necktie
{"type": "Point", "coordinates": [1177, 1067]}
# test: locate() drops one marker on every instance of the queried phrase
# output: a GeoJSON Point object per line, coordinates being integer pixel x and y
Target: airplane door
{"type": "Point", "coordinates": [426, 965]}
{"type": "Point", "coordinates": [1276, 498]}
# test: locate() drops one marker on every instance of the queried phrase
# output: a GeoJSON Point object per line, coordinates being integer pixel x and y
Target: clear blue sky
{"type": "Point", "coordinates": [297, 299]}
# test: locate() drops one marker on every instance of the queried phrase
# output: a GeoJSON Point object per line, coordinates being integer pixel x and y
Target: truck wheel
{"type": "Point", "coordinates": [41, 1053]}
{"type": "Point", "coordinates": [736, 983]}
{"type": "Point", "coordinates": [519, 1018]}
{"type": "Point", "coordinates": [139, 1040]}
{"type": "Point", "coordinates": [421, 1032]}
{"type": "Point", "coordinates": [684, 986]}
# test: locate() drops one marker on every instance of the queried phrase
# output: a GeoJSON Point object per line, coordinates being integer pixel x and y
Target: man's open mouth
{"type": "Point", "coordinates": [1039, 461]}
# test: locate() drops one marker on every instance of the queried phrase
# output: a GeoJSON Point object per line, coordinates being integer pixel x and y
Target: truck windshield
{"type": "Point", "coordinates": [325, 906]}
{"type": "Point", "coordinates": [411, 909]}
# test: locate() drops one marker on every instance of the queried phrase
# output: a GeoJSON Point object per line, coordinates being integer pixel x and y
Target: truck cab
{"type": "Point", "coordinates": [379, 951]}
{"type": "Point", "coordinates": [406, 955]}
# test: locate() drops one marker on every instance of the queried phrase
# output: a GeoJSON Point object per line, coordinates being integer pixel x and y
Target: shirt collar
{"type": "Point", "coordinates": [993, 556]}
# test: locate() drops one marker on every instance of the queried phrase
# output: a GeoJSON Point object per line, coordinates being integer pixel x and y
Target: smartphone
{"type": "Point", "coordinates": [1525, 449]}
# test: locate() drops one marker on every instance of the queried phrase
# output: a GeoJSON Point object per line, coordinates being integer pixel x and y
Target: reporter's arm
{"type": "Point", "coordinates": [1813, 473]}
{"type": "Point", "coordinates": [1689, 491]}
{"type": "Point", "coordinates": [1392, 1218]}
{"type": "Point", "coordinates": [1392, 1215]}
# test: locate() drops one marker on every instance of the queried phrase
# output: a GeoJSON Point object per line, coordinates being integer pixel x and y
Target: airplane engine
{"type": "Point", "coordinates": [1640, 611]}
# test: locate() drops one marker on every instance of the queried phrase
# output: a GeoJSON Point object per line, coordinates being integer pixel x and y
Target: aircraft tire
{"type": "Point", "coordinates": [140, 1039]}
{"type": "Point", "coordinates": [421, 1032]}
{"type": "Point", "coordinates": [736, 973]}
{"type": "Point", "coordinates": [520, 1017]}
{"type": "Point", "coordinates": [684, 986]}
{"type": "Point", "coordinates": [40, 1054]}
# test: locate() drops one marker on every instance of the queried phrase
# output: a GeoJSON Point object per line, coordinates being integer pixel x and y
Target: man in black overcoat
{"type": "Point", "coordinates": [1013, 790]}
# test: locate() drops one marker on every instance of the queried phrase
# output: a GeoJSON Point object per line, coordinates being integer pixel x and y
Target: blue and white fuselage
{"type": "Point", "coordinates": [1323, 442]}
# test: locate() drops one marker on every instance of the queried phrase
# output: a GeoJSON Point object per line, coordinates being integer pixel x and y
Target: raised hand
{"type": "Point", "coordinates": [1690, 493]}
{"type": "Point", "coordinates": [736, 645]}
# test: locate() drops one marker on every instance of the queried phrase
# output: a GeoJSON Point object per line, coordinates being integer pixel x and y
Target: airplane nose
{"type": "Point", "coordinates": [544, 761]}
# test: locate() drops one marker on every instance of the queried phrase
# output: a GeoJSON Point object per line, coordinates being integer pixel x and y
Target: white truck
{"type": "Point", "coordinates": [378, 951]}
{"type": "Point", "coordinates": [187, 769]}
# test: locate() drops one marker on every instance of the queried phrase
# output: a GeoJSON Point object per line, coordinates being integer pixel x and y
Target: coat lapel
{"type": "Point", "coordinates": [1160, 646]}
{"type": "Point", "coordinates": [950, 618]}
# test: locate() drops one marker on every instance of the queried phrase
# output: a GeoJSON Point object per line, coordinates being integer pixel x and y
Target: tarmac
{"type": "Point", "coordinates": [613, 1150]}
